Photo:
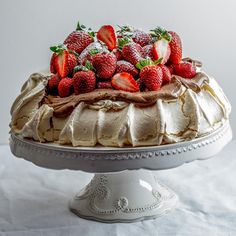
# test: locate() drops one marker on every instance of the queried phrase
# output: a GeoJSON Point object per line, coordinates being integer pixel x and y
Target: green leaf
{"type": "Point", "coordinates": [158, 61]}
{"type": "Point", "coordinates": [89, 65]}
{"type": "Point", "coordinates": [80, 68]}
{"type": "Point", "coordinates": [123, 41]}
{"type": "Point", "coordinates": [143, 63]}
{"type": "Point", "coordinates": [160, 33]}
{"type": "Point", "coordinates": [58, 48]}
{"type": "Point", "coordinates": [80, 27]}
{"type": "Point", "coordinates": [91, 33]}
{"type": "Point", "coordinates": [94, 51]}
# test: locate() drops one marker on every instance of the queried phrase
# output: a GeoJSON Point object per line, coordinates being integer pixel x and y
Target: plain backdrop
{"type": "Point", "coordinates": [29, 27]}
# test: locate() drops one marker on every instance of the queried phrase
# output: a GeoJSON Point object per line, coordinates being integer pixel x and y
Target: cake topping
{"type": "Point", "coordinates": [117, 59]}
{"type": "Point", "coordinates": [124, 81]}
{"type": "Point", "coordinates": [65, 87]}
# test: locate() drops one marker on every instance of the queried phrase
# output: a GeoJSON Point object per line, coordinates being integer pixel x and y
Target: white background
{"type": "Point", "coordinates": [29, 27]}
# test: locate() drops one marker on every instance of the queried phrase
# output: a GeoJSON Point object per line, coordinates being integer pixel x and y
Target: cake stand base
{"type": "Point", "coordinates": [126, 196]}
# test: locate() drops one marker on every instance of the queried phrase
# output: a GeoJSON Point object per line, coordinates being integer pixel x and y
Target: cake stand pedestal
{"type": "Point", "coordinates": [124, 189]}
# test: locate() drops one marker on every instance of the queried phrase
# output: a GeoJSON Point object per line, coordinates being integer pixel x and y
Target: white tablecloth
{"type": "Point", "coordinates": [34, 201]}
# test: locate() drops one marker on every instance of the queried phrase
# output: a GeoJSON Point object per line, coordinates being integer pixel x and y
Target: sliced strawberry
{"type": "Point", "coordinates": [52, 63]}
{"type": "Point", "coordinates": [124, 81]}
{"type": "Point", "coordinates": [65, 63]}
{"type": "Point", "coordinates": [161, 49]}
{"type": "Point", "coordinates": [176, 48]}
{"type": "Point", "coordinates": [107, 35]}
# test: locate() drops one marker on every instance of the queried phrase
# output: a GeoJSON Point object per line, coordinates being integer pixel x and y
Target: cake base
{"type": "Point", "coordinates": [124, 197]}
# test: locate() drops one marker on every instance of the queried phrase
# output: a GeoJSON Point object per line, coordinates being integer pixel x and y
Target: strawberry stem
{"type": "Point", "coordinates": [159, 33]}
{"type": "Point", "coordinates": [58, 49]}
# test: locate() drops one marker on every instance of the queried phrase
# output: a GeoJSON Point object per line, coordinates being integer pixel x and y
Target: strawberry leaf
{"type": "Point", "coordinates": [58, 49]}
{"type": "Point", "coordinates": [158, 61]}
{"type": "Point", "coordinates": [89, 65]}
{"type": "Point", "coordinates": [94, 51]}
{"type": "Point", "coordinates": [123, 41]}
{"type": "Point", "coordinates": [143, 63]}
{"type": "Point", "coordinates": [159, 33]}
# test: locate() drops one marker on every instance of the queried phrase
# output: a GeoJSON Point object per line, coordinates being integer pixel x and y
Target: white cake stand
{"type": "Point", "coordinates": [124, 188]}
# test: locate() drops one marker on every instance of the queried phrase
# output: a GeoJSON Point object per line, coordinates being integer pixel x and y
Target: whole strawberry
{"type": "Point", "coordinates": [104, 85]}
{"type": "Point", "coordinates": [132, 52]}
{"type": "Point", "coordinates": [166, 75]}
{"type": "Point", "coordinates": [152, 76]}
{"type": "Point", "coordinates": [125, 66]}
{"type": "Point", "coordinates": [118, 53]}
{"type": "Point", "coordinates": [142, 38]}
{"type": "Point", "coordinates": [147, 52]}
{"type": "Point", "coordinates": [62, 61]}
{"type": "Point", "coordinates": [104, 64]}
{"type": "Point", "coordinates": [65, 87]}
{"type": "Point", "coordinates": [84, 82]}
{"type": "Point", "coordinates": [78, 40]}
{"type": "Point", "coordinates": [185, 70]}
{"type": "Point", "coordinates": [176, 48]}
{"type": "Point", "coordinates": [53, 84]}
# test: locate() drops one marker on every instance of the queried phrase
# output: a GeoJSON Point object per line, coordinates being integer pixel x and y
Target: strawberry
{"type": "Point", "coordinates": [52, 64]}
{"type": "Point", "coordinates": [65, 87]}
{"type": "Point", "coordinates": [104, 64]}
{"type": "Point", "coordinates": [170, 67]}
{"type": "Point", "coordinates": [53, 84]}
{"type": "Point", "coordinates": [185, 70]}
{"type": "Point", "coordinates": [176, 48]}
{"type": "Point", "coordinates": [125, 66]}
{"type": "Point", "coordinates": [117, 52]}
{"type": "Point", "coordinates": [104, 85]}
{"type": "Point", "coordinates": [142, 38]}
{"type": "Point", "coordinates": [84, 81]}
{"type": "Point", "coordinates": [147, 51]}
{"type": "Point", "coordinates": [161, 49]}
{"type": "Point", "coordinates": [107, 35]}
{"type": "Point", "coordinates": [132, 52]}
{"type": "Point", "coordinates": [86, 55]}
{"type": "Point", "coordinates": [151, 76]}
{"type": "Point", "coordinates": [124, 81]}
{"type": "Point", "coordinates": [141, 85]}
{"type": "Point", "coordinates": [166, 74]}
{"type": "Point", "coordinates": [62, 61]}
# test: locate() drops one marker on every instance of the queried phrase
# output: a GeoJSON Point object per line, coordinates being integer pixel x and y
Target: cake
{"type": "Point", "coordinates": [119, 88]}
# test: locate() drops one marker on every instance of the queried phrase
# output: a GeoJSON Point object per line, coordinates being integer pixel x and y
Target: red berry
{"type": "Point", "coordinates": [147, 52]}
{"type": "Point", "coordinates": [117, 52]}
{"type": "Point", "coordinates": [107, 35]}
{"type": "Point", "coordinates": [52, 63]}
{"type": "Point", "coordinates": [63, 63]}
{"type": "Point", "coordinates": [140, 37]}
{"type": "Point", "coordinates": [53, 84]}
{"type": "Point", "coordinates": [84, 82]}
{"type": "Point", "coordinates": [176, 48]}
{"type": "Point", "coordinates": [166, 74]}
{"type": "Point", "coordinates": [171, 68]}
{"type": "Point", "coordinates": [124, 81]}
{"type": "Point", "coordinates": [104, 64]}
{"type": "Point", "coordinates": [132, 52]}
{"type": "Point", "coordinates": [78, 41]}
{"type": "Point", "coordinates": [65, 87]}
{"type": "Point", "coordinates": [161, 49]}
{"type": "Point", "coordinates": [86, 55]}
{"type": "Point", "coordinates": [104, 85]}
{"type": "Point", "coordinates": [125, 66]}
{"type": "Point", "coordinates": [152, 77]}
{"type": "Point", "coordinates": [185, 70]}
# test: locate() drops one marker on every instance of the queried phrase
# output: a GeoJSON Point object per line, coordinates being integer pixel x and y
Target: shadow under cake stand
{"type": "Point", "coordinates": [124, 188]}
